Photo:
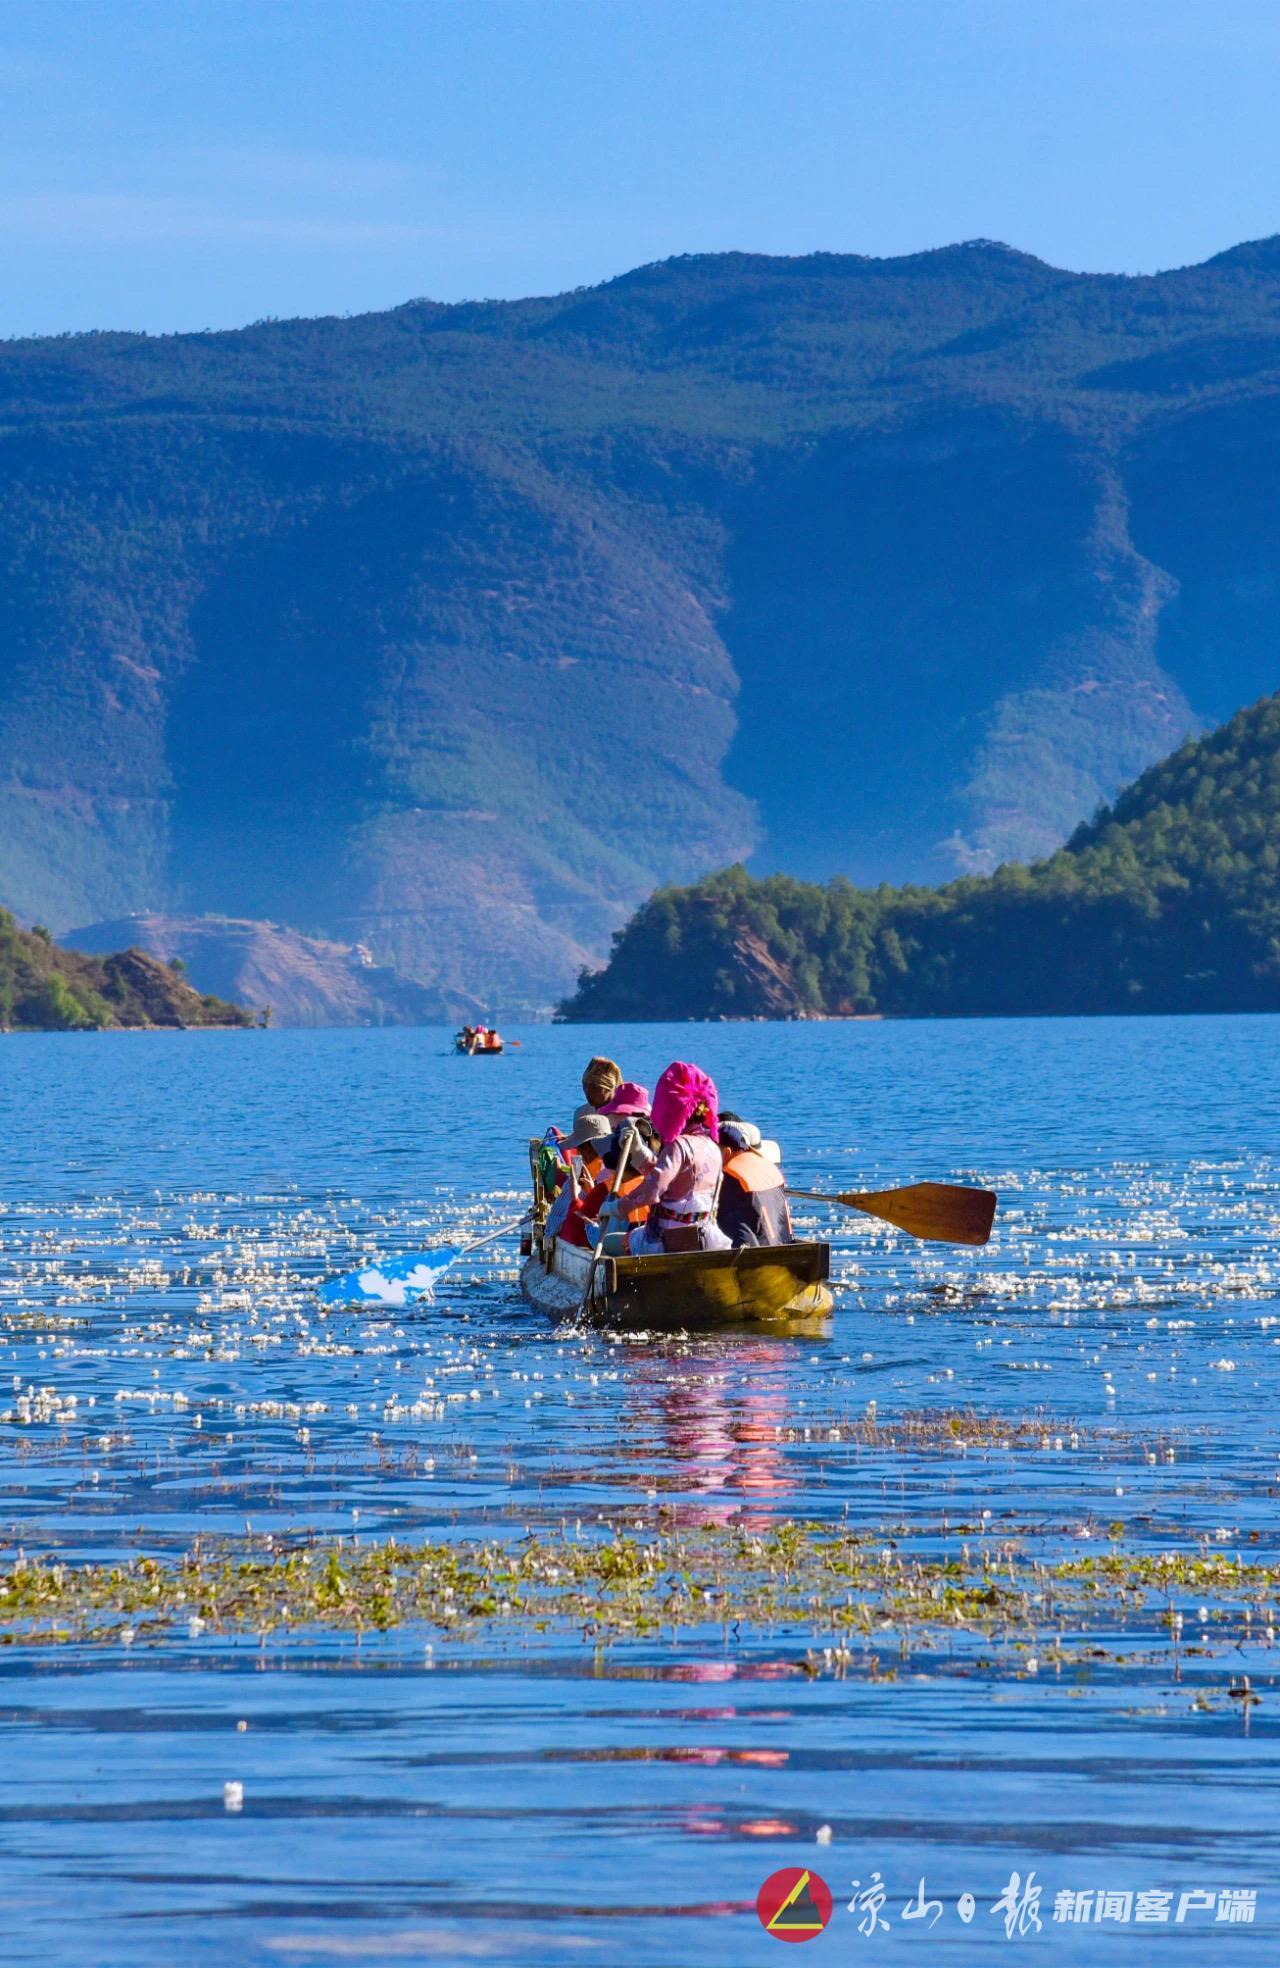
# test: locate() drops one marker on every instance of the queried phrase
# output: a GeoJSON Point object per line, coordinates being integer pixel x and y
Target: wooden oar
{"type": "Point", "coordinates": [938, 1211]}
{"type": "Point", "coordinates": [410, 1276]}
{"type": "Point", "coordinates": [614, 1187]}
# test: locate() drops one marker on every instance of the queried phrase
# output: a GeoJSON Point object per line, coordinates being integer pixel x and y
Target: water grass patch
{"type": "Point", "coordinates": [836, 1591]}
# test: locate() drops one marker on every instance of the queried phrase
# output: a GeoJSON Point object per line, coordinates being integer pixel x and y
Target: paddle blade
{"type": "Point", "coordinates": [396, 1282]}
{"type": "Point", "coordinates": [936, 1211]}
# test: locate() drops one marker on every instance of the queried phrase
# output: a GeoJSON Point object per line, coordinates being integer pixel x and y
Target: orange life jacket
{"type": "Point", "coordinates": [753, 1206]}
{"type": "Point", "coordinates": [573, 1229]}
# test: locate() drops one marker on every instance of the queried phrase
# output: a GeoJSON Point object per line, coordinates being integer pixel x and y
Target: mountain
{"type": "Point", "coordinates": [45, 989]}
{"type": "Point", "coordinates": [455, 630]}
{"type": "Point", "coordinates": [1168, 901]}
{"type": "Point", "coordinates": [302, 980]}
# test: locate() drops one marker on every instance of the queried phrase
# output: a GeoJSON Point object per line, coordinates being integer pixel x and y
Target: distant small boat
{"type": "Point", "coordinates": [478, 1042]}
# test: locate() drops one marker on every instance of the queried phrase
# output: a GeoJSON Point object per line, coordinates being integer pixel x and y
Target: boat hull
{"type": "Point", "coordinates": [782, 1289]}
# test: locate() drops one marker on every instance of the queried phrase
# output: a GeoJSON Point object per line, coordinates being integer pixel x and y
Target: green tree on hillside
{"type": "Point", "coordinates": [1169, 900]}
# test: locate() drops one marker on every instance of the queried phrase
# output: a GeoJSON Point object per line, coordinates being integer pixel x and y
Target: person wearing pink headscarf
{"type": "Point", "coordinates": [681, 1183]}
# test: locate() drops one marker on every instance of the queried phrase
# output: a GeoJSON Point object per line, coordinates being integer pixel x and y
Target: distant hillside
{"type": "Point", "coordinates": [301, 979]}
{"type": "Point", "coordinates": [455, 630]}
{"type": "Point", "coordinates": [1168, 901]}
{"type": "Point", "coordinates": [45, 989]}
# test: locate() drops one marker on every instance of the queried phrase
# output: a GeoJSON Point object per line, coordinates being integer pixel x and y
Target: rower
{"type": "Point", "coordinates": [580, 1152]}
{"type": "Point", "coordinates": [753, 1206]}
{"type": "Point", "coordinates": [607, 1205]}
{"type": "Point", "coordinates": [680, 1185]}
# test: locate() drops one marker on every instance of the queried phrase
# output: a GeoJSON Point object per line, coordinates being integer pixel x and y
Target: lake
{"type": "Point", "coordinates": [540, 1797]}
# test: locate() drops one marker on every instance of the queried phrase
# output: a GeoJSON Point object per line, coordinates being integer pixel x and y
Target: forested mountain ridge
{"type": "Point", "coordinates": [45, 989]}
{"type": "Point", "coordinates": [455, 630]}
{"type": "Point", "coordinates": [1168, 901]}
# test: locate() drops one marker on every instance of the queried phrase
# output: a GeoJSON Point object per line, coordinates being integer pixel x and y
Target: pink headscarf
{"type": "Point", "coordinates": [681, 1089]}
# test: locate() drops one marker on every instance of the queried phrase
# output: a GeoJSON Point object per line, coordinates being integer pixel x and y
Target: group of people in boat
{"type": "Point", "coordinates": [477, 1038]}
{"type": "Point", "coordinates": [671, 1173]}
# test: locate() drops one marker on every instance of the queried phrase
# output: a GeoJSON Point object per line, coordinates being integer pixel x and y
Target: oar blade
{"type": "Point", "coordinates": [397, 1281]}
{"type": "Point", "coordinates": [938, 1212]}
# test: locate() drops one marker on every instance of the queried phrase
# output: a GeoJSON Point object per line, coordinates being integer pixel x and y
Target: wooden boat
{"type": "Point", "coordinates": [781, 1288]}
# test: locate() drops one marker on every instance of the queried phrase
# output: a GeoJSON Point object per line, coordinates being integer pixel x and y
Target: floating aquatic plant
{"type": "Point", "coordinates": [819, 1584]}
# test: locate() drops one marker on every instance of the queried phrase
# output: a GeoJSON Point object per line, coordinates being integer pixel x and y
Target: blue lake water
{"type": "Point", "coordinates": [166, 1374]}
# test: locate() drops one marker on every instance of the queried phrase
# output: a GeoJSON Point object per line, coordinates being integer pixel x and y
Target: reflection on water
{"type": "Point", "coordinates": [713, 1430]}
{"type": "Point", "coordinates": [166, 1375]}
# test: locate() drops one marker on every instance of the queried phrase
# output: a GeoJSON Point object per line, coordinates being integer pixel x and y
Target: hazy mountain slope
{"type": "Point", "coordinates": [301, 980]}
{"type": "Point", "coordinates": [431, 628]}
{"type": "Point", "coordinates": [1169, 901]}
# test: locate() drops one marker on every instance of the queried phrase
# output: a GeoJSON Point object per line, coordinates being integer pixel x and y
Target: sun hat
{"type": "Point", "coordinates": [589, 1127]}
{"type": "Point", "coordinates": [631, 1098]}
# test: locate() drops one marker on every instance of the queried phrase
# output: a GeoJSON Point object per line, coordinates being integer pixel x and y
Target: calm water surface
{"type": "Point", "coordinates": [164, 1374]}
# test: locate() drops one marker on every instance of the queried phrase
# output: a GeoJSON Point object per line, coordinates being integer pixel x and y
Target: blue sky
{"type": "Point", "coordinates": [192, 163]}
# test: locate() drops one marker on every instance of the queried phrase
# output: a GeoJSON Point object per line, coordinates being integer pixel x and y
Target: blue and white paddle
{"type": "Point", "coordinates": [398, 1280]}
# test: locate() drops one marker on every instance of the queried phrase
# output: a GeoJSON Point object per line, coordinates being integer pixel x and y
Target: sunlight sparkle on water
{"type": "Point", "coordinates": [1100, 1379]}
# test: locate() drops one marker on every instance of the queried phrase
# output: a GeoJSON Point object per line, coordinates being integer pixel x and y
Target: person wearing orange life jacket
{"type": "Point", "coordinates": [753, 1207]}
{"type": "Point", "coordinates": [580, 1153]}
{"type": "Point", "coordinates": [607, 1205]}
